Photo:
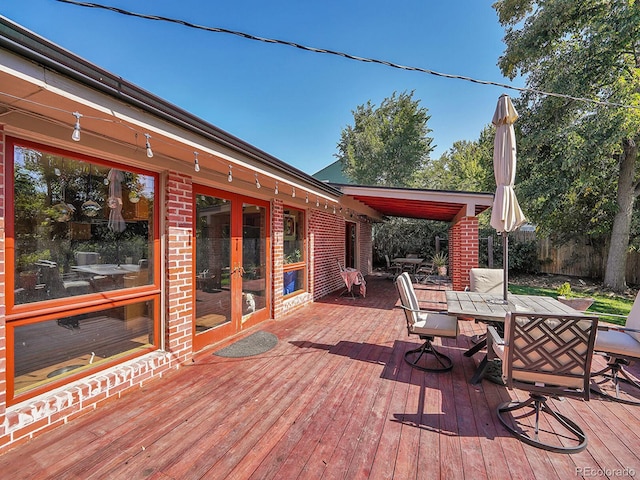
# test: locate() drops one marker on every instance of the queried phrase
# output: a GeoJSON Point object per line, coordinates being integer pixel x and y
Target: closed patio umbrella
{"type": "Point", "coordinates": [506, 215]}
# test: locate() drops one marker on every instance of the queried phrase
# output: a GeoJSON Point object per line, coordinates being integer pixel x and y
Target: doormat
{"type": "Point", "coordinates": [254, 344]}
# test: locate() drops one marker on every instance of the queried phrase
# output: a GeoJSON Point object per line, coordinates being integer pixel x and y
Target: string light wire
{"type": "Point", "coordinates": [342, 54]}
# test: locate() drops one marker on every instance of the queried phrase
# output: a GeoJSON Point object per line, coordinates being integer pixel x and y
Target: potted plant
{"type": "Point", "coordinates": [566, 296]}
{"type": "Point", "coordinates": [440, 262]}
{"type": "Point", "coordinates": [293, 257]}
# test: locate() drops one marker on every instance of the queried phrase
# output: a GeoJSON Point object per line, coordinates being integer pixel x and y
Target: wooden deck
{"type": "Point", "coordinates": [334, 399]}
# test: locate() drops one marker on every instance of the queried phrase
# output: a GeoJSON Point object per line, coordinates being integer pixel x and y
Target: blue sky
{"type": "Point", "coordinates": [291, 103]}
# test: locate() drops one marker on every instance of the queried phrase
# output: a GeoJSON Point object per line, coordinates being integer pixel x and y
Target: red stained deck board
{"type": "Point", "coordinates": [335, 398]}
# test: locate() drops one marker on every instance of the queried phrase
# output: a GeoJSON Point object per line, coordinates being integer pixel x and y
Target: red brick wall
{"type": "Point", "coordinates": [179, 265]}
{"type": "Point", "coordinates": [277, 243]}
{"type": "Point", "coordinates": [463, 251]}
{"type": "Point", "coordinates": [3, 331]}
{"type": "Point", "coordinates": [365, 244]}
{"type": "Point", "coordinates": [326, 237]}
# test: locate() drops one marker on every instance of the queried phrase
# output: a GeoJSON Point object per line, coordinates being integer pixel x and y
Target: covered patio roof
{"type": "Point", "coordinates": [419, 203]}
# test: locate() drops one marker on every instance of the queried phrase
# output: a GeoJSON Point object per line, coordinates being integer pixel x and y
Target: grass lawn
{"type": "Point", "coordinates": [603, 304]}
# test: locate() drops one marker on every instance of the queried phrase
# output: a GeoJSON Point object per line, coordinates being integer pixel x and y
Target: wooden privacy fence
{"type": "Point", "coordinates": [586, 257]}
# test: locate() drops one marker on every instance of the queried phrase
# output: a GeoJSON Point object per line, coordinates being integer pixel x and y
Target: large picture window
{"type": "Point", "coordinates": [80, 227]}
{"type": "Point", "coordinates": [81, 232]}
{"type": "Point", "coordinates": [294, 268]}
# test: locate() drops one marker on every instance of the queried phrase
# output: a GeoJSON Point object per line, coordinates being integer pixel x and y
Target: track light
{"type": "Point", "coordinates": [334, 209]}
{"type": "Point", "coordinates": [196, 165]}
{"type": "Point", "coordinates": [230, 176]}
{"type": "Point", "coordinates": [326, 205]}
{"type": "Point", "coordinates": [317, 202]}
{"type": "Point", "coordinates": [275, 190]}
{"type": "Point", "coordinates": [257, 181]}
{"type": "Point", "coordinates": [75, 136]}
{"type": "Point", "coordinates": [148, 146]}
{"type": "Point", "coordinates": [306, 198]}
{"type": "Point", "coordinates": [293, 192]}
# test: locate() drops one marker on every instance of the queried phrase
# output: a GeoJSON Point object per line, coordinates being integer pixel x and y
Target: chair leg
{"type": "Point", "coordinates": [538, 404]}
{"type": "Point", "coordinates": [428, 349]}
{"type": "Point", "coordinates": [477, 347]}
{"type": "Point", "coordinates": [615, 373]}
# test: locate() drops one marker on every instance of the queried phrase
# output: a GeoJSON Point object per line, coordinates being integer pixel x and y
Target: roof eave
{"type": "Point", "coordinates": [21, 41]}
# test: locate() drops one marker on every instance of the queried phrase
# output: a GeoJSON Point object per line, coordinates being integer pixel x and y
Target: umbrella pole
{"type": "Point", "coordinates": [505, 264]}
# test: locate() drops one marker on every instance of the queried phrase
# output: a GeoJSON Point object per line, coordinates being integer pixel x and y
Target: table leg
{"type": "Point", "coordinates": [480, 371]}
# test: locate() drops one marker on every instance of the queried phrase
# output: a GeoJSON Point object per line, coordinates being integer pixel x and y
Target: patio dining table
{"type": "Point", "coordinates": [491, 309]}
{"type": "Point", "coordinates": [115, 273]}
{"type": "Point", "coordinates": [411, 262]}
{"type": "Point", "coordinates": [110, 269]}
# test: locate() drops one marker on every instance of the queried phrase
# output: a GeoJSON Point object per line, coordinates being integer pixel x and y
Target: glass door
{"type": "Point", "coordinates": [254, 263]}
{"type": "Point", "coordinates": [212, 285]}
{"type": "Point", "coordinates": [231, 251]}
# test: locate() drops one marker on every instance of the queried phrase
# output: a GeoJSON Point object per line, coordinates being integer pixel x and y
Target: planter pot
{"type": "Point", "coordinates": [442, 271]}
{"type": "Point", "coordinates": [577, 303]}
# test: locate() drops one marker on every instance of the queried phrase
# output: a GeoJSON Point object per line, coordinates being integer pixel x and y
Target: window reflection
{"type": "Point", "coordinates": [293, 236]}
{"type": "Point", "coordinates": [213, 259]}
{"type": "Point", "coordinates": [80, 227]}
{"type": "Point", "coordinates": [47, 351]}
{"type": "Point", "coordinates": [254, 258]}
{"type": "Point", "coordinates": [294, 253]}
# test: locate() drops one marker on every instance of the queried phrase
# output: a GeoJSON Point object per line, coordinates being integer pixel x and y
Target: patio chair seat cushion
{"type": "Point", "coordinates": [617, 343]}
{"type": "Point", "coordinates": [549, 380]}
{"type": "Point", "coordinates": [75, 283]}
{"type": "Point", "coordinates": [435, 324]}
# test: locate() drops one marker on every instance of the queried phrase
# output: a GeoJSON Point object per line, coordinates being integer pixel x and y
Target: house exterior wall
{"type": "Point", "coordinates": [463, 250]}
{"type": "Point", "coordinates": [3, 330]}
{"type": "Point", "coordinates": [21, 420]}
{"type": "Point", "coordinates": [365, 242]}
{"type": "Point", "coordinates": [24, 421]}
{"type": "Point", "coordinates": [325, 247]}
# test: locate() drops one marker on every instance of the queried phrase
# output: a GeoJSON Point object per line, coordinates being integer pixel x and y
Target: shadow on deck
{"type": "Point", "coordinates": [334, 399]}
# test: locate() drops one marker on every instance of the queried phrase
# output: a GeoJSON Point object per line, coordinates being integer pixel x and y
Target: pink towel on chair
{"type": "Point", "coordinates": [352, 277]}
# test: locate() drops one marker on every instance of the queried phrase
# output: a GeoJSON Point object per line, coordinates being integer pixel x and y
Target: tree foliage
{"type": "Point", "coordinates": [386, 145]}
{"type": "Point", "coordinates": [466, 166]}
{"type": "Point", "coordinates": [578, 161]}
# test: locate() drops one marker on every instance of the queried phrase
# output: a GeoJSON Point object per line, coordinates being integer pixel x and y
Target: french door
{"type": "Point", "coordinates": [231, 264]}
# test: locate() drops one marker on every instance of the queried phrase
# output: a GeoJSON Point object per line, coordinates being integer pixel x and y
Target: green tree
{"type": "Point", "coordinates": [466, 166]}
{"type": "Point", "coordinates": [386, 145]}
{"type": "Point", "coordinates": [579, 159]}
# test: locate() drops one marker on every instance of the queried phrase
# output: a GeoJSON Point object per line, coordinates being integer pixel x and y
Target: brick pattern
{"type": "Point", "coordinates": [25, 421]}
{"type": "Point", "coordinates": [326, 236]}
{"type": "Point", "coordinates": [463, 251]}
{"type": "Point", "coordinates": [179, 266]}
{"type": "Point", "coordinates": [3, 330]}
{"type": "Point", "coordinates": [365, 245]}
{"type": "Point", "coordinates": [277, 256]}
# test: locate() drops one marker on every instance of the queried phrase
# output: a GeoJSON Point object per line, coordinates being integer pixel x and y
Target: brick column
{"type": "Point", "coordinates": [463, 250]}
{"type": "Point", "coordinates": [277, 257]}
{"type": "Point", "coordinates": [179, 273]}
